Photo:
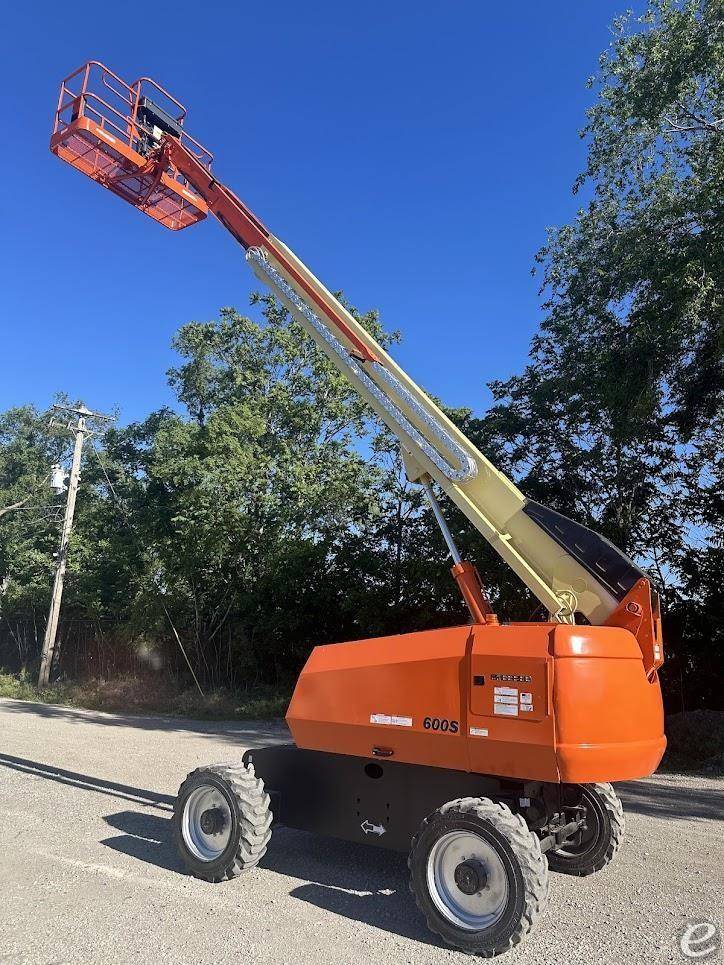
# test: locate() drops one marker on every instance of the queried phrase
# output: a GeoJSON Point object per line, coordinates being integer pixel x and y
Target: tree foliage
{"type": "Point", "coordinates": [617, 418]}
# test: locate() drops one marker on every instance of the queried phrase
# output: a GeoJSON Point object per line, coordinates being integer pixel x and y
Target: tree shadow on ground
{"type": "Point", "coordinates": [666, 800]}
{"type": "Point", "coordinates": [242, 734]}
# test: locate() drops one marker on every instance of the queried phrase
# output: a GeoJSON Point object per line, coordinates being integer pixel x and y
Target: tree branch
{"type": "Point", "coordinates": [701, 124]}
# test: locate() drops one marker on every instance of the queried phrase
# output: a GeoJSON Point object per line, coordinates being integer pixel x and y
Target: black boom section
{"type": "Point", "coordinates": [595, 553]}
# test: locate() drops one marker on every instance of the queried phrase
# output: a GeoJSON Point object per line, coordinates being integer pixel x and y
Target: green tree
{"type": "Point", "coordinates": [28, 527]}
{"type": "Point", "coordinates": [616, 420]}
{"type": "Point", "coordinates": [28, 536]}
{"type": "Point", "coordinates": [244, 503]}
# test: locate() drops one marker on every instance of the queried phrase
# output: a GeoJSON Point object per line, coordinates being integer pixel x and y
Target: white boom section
{"type": "Point", "coordinates": [432, 445]}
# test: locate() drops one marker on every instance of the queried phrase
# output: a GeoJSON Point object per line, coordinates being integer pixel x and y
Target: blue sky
{"type": "Point", "coordinates": [411, 154]}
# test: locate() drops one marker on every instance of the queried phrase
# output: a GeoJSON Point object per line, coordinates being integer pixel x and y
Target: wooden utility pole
{"type": "Point", "coordinates": [80, 429]}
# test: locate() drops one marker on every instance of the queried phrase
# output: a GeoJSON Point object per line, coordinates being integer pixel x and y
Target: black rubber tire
{"type": "Point", "coordinates": [606, 825]}
{"type": "Point", "coordinates": [250, 815]}
{"type": "Point", "coordinates": [524, 863]}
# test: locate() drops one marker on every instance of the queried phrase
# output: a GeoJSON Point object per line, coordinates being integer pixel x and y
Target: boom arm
{"type": "Point", "coordinates": [566, 566]}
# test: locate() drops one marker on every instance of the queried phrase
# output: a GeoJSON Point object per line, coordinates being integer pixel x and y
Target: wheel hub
{"type": "Point", "coordinates": [207, 822]}
{"type": "Point", "coordinates": [212, 821]}
{"type": "Point", "coordinates": [470, 876]}
{"type": "Point", "coordinates": [467, 880]}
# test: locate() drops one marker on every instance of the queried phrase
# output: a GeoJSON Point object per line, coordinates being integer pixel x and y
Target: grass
{"type": "Point", "coordinates": [152, 696]}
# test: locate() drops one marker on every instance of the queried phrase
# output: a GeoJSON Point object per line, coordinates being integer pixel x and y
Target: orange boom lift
{"type": "Point", "coordinates": [485, 750]}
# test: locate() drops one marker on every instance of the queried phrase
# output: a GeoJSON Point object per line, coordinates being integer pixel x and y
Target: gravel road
{"type": "Point", "coordinates": [88, 873]}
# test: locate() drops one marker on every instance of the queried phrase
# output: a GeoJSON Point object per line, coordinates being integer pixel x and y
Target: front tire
{"type": "Point", "coordinates": [478, 875]}
{"type": "Point", "coordinates": [221, 821]}
{"type": "Point", "coordinates": [601, 838]}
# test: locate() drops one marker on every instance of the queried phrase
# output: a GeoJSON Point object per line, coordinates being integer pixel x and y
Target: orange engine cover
{"type": "Point", "coordinates": [539, 702]}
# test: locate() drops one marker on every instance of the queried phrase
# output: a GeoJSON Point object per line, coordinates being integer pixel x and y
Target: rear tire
{"type": "Point", "coordinates": [478, 875]}
{"type": "Point", "coordinates": [221, 821]}
{"type": "Point", "coordinates": [601, 839]}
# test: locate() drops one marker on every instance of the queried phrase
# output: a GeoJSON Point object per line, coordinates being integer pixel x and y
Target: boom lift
{"type": "Point", "coordinates": [485, 750]}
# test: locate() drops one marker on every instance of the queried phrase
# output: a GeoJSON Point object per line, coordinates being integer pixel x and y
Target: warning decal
{"type": "Point", "coordinates": [509, 710]}
{"type": "Point", "coordinates": [505, 701]}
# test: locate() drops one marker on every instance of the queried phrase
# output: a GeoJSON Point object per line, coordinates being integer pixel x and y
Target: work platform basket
{"type": "Point", "coordinates": [107, 128]}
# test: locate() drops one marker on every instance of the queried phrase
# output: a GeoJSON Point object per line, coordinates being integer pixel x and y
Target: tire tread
{"type": "Point", "coordinates": [255, 818]}
{"type": "Point", "coordinates": [526, 848]}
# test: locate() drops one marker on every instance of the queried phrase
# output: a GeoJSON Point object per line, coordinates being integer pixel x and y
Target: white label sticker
{"type": "Point", "coordinates": [387, 719]}
{"type": "Point", "coordinates": [525, 707]}
{"type": "Point", "coordinates": [511, 710]}
{"type": "Point", "coordinates": [504, 699]}
{"type": "Point", "coordinates": [526, 698]}
{"type": "Point", "coordinates": [508, 691]}
{"type": "Point", "coordinates": [402, 721]}
{"type": "Point", "coordinates": [478, 732]}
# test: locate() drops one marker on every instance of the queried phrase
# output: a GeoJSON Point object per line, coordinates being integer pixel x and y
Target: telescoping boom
{"type": "Point", "coordinates": [141, 151]}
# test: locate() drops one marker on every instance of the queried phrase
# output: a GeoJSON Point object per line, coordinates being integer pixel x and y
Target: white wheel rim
{"type": "Point", "coordinates": [473, 912]}
{"type": "Point", "coordinates": [204, 845]}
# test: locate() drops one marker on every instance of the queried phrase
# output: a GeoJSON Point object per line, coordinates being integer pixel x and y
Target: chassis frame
{"type": "Point", "coordinates": [384, 802]}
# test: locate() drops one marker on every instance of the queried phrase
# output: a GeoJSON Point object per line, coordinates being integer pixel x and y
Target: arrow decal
{"type": "Point", "coordinates": [370, 828]}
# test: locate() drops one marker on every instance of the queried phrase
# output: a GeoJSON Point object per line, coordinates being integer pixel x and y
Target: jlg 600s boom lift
{"type": "Point", "coordinates": [485, 750]}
